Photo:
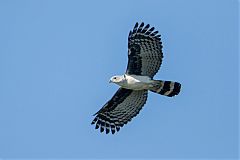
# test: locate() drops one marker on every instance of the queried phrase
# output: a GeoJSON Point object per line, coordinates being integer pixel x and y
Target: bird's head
{"type": "Point", "coordinates": [116, 79]}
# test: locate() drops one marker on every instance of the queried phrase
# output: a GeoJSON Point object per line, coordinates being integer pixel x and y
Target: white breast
{"type": "Point", "coordinates": [137, 82]}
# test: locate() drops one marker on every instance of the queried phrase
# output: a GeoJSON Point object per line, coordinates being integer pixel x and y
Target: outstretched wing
{"type": "Point", "coordinates": [144, 51]}
{"type": "Point", "coordinates": [124, 105]}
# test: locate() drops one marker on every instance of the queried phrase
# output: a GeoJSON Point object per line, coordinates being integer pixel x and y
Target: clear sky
{"type": "Point", "coordinates": [56, 58]}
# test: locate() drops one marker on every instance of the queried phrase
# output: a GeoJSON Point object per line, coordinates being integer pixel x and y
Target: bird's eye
{"type": "Point", "coordinates": [114, 77]}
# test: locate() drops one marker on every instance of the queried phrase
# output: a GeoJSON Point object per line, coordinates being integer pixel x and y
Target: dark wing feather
{"type": "Point", "coordinates": [124, 105]}
{"type": "Point", "coordinates": [144, 51]}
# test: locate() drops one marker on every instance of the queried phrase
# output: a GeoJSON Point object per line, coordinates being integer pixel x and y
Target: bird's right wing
{"type": "Point", "coordinates": [124, 105]}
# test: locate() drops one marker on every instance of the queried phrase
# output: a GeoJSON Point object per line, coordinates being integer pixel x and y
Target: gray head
{"type": "Point", "coordinates": [117, 79]}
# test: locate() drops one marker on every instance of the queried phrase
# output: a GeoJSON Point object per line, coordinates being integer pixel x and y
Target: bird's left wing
{"type": "Point", "coordinates": [124, 105]}
{"type": "Point", "coordinates": [144, 51]}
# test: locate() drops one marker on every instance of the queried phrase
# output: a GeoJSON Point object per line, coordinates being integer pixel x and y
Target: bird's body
{"type": "Point", "coordinates": [134, 82]}
{"type": "Point", "coordinates": [144, 60]}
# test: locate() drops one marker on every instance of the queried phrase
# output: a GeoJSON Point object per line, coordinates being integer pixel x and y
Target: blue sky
{"type": "Point", "coordinates": [56, 58]}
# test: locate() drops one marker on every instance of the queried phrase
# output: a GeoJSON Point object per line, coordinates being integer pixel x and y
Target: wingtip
{"type": "Point", "coordinates": [101, 129]}
{"type": "Point", "coordinates": [136, 24]}
{"type": "Point", "coordinates": [142, 24]}
{"type": "Point", "coordinates": [130, 33]}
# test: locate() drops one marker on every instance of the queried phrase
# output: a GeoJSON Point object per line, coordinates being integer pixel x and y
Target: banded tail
{"type": "Point", "coordinates": [167, 88]}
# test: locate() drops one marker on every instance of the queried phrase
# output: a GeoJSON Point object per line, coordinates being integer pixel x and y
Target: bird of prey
{"type": "Point", "coordinates": [144, 60]}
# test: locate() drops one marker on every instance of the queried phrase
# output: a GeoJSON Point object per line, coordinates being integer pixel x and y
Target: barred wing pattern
{"type": "Point", "coordinates": [124, 105]}
{"type": "Point", "coordinates": [144, 51]}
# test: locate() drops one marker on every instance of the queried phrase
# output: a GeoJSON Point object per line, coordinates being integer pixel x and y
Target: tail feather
{"type": "Point", "coordinates": [167, 88]}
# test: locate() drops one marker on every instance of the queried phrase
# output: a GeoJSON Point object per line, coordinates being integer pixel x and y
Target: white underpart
{"type": "Point", "coordinates": [135, 82]}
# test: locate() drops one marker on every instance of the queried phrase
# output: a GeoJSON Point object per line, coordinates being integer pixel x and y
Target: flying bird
{"type": "Point", "coordinates": [144, 60]}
